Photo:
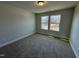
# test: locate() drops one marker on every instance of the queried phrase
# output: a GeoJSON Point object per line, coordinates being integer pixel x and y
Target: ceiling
{"type": "Point", "coordinates": [51, 5]}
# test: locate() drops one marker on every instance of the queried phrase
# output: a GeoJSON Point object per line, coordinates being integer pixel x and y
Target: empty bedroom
{"type": "Point", "coordinates": [39, 29]}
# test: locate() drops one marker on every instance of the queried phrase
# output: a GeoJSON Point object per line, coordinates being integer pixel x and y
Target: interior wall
{"type": "Point", "coordinates": [65, 24]}
{"type": "Point", "coordinates": [75, 32]}
{"type": "Point", "coordinates": [15, 23]}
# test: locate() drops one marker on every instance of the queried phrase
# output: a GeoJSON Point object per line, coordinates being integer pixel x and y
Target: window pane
{"type": "Point", "coordinates": [54, 22]}
{"type": "Point", "coordinates": [44, 22]}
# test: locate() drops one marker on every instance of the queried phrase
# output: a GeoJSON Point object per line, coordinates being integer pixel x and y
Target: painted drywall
{"type": "Point", "coordinates": [65, 24]}
{"type": "Point", "coordinates": [74, 41]}
{"type": "Point", "coordinates": [15, 23]}
{"type": "Point", "coordinates": [51, 5]}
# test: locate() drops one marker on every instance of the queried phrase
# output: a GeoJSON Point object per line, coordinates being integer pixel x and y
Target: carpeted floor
{"type": "Point", "coordinates": [38, 46]}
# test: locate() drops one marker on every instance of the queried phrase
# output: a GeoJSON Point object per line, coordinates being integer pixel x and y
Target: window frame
{"type": "Point", "coordinates": [41, 22]}
{"type": "Point", "coordinates": [49, 19]}
{"type": "Point", "coordinates": [59, 22]}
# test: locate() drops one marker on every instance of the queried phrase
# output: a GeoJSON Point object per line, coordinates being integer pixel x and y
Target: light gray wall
{"type": "Point", "coordinates": [65, 24]}
{"type": "Point", "coordinates": [15, 23]}
{"type": "Point", "coordinates": [75, 32]}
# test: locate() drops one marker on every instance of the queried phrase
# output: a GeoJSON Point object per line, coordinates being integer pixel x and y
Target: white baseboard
{"type": "Point", "coordinates": [9, 42]}
{"type": "Point", "coordinates": [74, 50]}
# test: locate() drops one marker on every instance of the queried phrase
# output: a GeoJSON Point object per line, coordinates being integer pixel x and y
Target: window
{"type": "Point", "coordinates": [54, 22]}
{"type": "Point", "coordinates": [51, 23]}
{"type": "Point", "coordinates": [44, 22]}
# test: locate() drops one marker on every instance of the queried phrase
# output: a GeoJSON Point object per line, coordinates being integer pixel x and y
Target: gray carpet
{"type": "Point", "coordinates": [38, 46]}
